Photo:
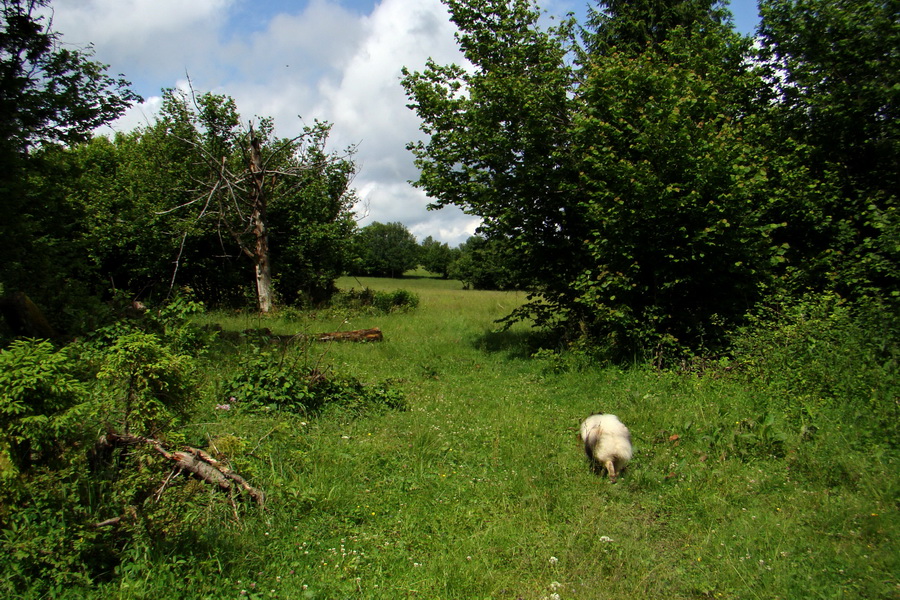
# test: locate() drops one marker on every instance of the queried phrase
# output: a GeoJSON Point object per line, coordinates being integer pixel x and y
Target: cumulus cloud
{"type": "Point", "coordinates": [368, 102]}
{"type": "Point", "coordinates": [146, 39]}
{"type": "Point", "coordinates": [296, 62]}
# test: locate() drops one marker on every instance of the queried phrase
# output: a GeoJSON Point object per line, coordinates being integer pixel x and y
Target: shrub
{"type": "Point", "coordinates": [823, 353]}
{"type": "Point", "coordinates": [282, 381]}
{"type": "Point", "coordinates": [370, 300]}
{"type": "Point", "coordinates": [41, 402]}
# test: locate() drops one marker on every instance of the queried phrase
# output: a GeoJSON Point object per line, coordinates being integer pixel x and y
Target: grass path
{"type": "Point", "coordinates": [481, 490]}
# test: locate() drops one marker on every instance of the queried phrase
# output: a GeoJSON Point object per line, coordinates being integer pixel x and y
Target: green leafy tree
{"type": "Point", "coordinates": [611, 169]}
{"type": "Point", "coordinates": [835, 72]}
{"type": "Point", "coordinates": [386, 250]}
{"type": "Point", "coordinates": [481, 265]}
{"type": "Point", "coordinates": [171, 205]}
{"type": "Point", "coordinates": [436, 257]}
{"type": "Point", "coordinates": [49, 94]}
{"type": "Point", "coordinates": [678, 250]}
{"type": "Point", "coordinates": [245, 173]}
{"type": "Point", "coordinates": [313, 226]}
{"type": "Point", "coordinates": [497, 143]}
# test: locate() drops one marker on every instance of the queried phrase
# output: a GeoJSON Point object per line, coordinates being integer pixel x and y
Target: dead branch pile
{"type": "Point", "coordinates": [191, 460]}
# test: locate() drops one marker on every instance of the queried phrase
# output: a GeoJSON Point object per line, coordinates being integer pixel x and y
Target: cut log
{"type": "Point", "coordinates": [360, 335]}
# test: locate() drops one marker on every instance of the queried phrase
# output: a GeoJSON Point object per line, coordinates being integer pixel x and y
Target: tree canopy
{"type": "Point", "coordinates": [386, 250]}
{"type": "Point", "coordinates": [49, 95]}
{"type": "Point", "coordinates": [640, 169]}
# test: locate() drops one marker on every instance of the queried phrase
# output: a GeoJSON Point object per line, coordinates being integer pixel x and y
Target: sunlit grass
{"type": "Point", "coordinates": [481, 489]}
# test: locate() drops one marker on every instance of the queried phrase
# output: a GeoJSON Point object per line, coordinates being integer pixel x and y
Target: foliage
{"type": "Point", "coordinates": [385, 250]}
{"type": "Point", "coordinates": [49, 94]}
{"type": "Point", "coordinates": [834, 75]}
{"type": "Point", "coordinates": [497, 143]}
{"type": "Point", "coordinates": [436, 257]}
{"type": "Point", "coordinates": [150, 382]}
{"type": "Point", "coordinates": [620, 192]}
{"type": "Point", "coordinates": [676, 248]}
{"type": "Point", "coordinates": [482, 265]}
{"type": "Point", "coordinates": [282, 380]}
{"type": "Point", "coordinates": [150, 221]}
{"type": "Point", "coordinates": [825, 355]}
{"type": "Point", "coordinates": [369, 300]}
{"type": "Point", "coordinates": [42, 403]}
{"type": "Point", "coordinates": [650, 178]}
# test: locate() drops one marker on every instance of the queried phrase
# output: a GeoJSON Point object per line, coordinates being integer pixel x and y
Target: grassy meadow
{"type": "Point", "coordinates": [480, 488]}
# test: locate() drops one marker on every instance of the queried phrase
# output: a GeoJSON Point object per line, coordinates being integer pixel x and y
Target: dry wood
{"type": "Point", "coordinates": [360, 335]}
{"type": "Point", "coordinates": [194, 461]}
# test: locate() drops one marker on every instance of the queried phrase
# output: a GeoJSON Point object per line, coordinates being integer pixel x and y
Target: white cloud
{"type": "Point", "coordinates": [152, 38]}
{"type": "Point", "coordinates": [315, 59]}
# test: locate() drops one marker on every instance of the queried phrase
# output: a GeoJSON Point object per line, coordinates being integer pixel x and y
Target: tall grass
{"type": "Point", "coordinates": [481, 490]}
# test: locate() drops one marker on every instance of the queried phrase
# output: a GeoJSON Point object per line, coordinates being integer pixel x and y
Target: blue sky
{"type": "Point", "coordinates": [334, 60]}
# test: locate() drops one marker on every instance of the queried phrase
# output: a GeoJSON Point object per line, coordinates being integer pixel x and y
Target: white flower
{"type": "Point", "coordinates": [553, 560]}
{"type": "Point", "coordinates": [555, 586]}
{"type": "Point", "coordinates": [605, 538]}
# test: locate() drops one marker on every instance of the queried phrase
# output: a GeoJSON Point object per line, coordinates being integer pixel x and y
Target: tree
{"type": "Point", "coordinates": [436, 256]}
{"type": "Point", "coordinates": [498, 145]}
{"type": "Point", "coordinates": [835, 72]}
{"type": "Point", "coordinates": [386, 250]}
{"type": "Point", "coordinates": [239, 173]}
{"type": "Point", "coordinates": [312, 228]}
{"type": "Point", "coordinates": [48, 95]}
{"type": "Point", "coordinates": [481, 265]}
{"type": "Point", "coordinates": [678, 249]}
{"type": "Point", "coordinates": [611, 170]}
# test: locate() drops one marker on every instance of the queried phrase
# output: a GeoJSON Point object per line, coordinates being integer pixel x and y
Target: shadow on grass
{"type": "Point", "coordinates": [514, 344]}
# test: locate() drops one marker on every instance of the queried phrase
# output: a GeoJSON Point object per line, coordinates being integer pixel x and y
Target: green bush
{"type": "Point", "coordinates": [42, 404]}
{"type": "Point", "coordinates": [282, 381]}
{"type": "Point", "coordinates": [825, 355]}
{"type": "Point", "coordinates": [370, 300]}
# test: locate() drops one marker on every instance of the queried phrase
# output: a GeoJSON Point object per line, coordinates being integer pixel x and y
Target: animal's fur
{"type": "Point", "coordinates": [607, 443]}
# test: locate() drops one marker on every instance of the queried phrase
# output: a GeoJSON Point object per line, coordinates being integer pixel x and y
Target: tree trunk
{"type": "Point", "coordinates": [258, 217]}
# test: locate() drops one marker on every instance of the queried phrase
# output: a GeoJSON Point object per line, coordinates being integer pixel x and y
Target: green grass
{"type": "Point", "coordinates": [481, 489]}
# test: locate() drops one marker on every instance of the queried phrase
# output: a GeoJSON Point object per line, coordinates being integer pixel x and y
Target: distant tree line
{"type": "Point", "coordinates": [390, 250]}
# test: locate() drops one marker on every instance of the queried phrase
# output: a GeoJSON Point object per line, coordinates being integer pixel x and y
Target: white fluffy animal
{"type": "Point", "coordinates": [607, 443]}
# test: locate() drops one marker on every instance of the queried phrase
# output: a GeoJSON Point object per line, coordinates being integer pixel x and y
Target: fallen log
{"type": "Point", "coordinates": [192, 460]}
{"type": "Point", "coordinates": [360, 335]}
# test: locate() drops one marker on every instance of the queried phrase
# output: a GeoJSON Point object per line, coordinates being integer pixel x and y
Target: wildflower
{"type": "Point", "coordinates": [555, 585]}
{"type": "Point", "coordinates": [553, 560]}
{"type": "Point", "coordinates": [554, 596]}
{"type": "Point", "coordinates": [223, 407]}
{"type": "Point", "coordinates": [605, 538]}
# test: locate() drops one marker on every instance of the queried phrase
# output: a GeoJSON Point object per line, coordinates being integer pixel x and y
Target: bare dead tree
{"type": "Point", "coordinates": [238, 200]}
